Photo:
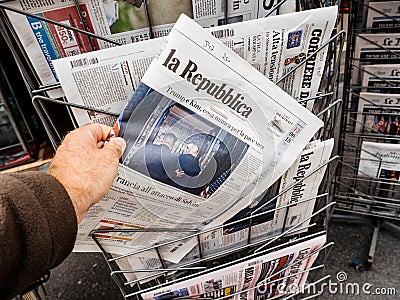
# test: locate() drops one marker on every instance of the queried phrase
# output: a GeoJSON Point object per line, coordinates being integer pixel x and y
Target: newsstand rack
{"type": "Point", "coordinates": [327, 107]}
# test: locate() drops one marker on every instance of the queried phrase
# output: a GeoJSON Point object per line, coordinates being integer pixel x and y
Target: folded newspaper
{"type": "Point", "coordinates": [380, 48]}
{"type": "Point", "coordinates": [274, 217]}
{"type": "Point", "coordinates": [381, 78]}
{"type": "Point", "coordinates": [378, 113]}
{"type": "Point", "coordinates": [206, 134]}
{"type": "Point", "coordinates": [122, 21]}
{"type": "Point", "coordinates": [268, 214]}
{"type": "Point", "coordinates": [380, 160]}
{"type": "Point", "coordinates": [274, 46]}
{"type": "Point", "coordinates": [267, 276]}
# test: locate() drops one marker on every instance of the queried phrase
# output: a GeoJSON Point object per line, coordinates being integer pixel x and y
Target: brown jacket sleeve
{"type": "Point", "coordinates": [38, 228]}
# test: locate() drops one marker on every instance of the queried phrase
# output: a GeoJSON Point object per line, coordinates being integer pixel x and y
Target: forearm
{"type": "Point", "coordinates": [38, 228]}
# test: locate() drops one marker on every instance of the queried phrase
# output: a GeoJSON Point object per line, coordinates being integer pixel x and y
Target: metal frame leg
{"type": "Point", "coordinates": [374, 240]}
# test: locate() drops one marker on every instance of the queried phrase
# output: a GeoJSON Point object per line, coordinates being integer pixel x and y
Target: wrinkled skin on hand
{"type": "Point", "coordinates": [86, 165]}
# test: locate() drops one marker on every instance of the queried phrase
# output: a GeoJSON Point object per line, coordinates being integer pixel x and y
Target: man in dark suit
{"type": "Point", "coordinates": [189, 162]}
{"type": "Point", "coordinates": [157, 160]}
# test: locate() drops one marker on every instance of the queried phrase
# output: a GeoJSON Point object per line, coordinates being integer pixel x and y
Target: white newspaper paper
{"type": "Point", "coordinates": [212, 13]}
{"type": "Point", "coordinates": [274, 274]}
{"type": "Point", "coordinates": [117, 20]}
{"type": "Point", "coordinates": [273, 45]}
{"type": "Point", "coordinates": [383, 16]}
{"type": "Point", "coordinates": [272, 223]}
{"type": "Point", "coordinates": [312, 158]}
{"type": "Point", "coordinates": [378, 113]}
{"type": "Point", "coordinates": [381, 78]}
{"type": "Point", "coordinates": [276, 45]}
{"type": "Point", "coordinates": [234, 235]}
{"type": "Point", "coordinates": [106, 78]}
{"type": "Point", "coordinates": [203, 93]}
{"type": "Point", "coordinates": [380, 160]}
{"type": "Point", "coordinates": [380, 48]}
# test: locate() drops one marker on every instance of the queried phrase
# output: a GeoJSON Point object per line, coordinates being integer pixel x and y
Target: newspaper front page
{"type": "Point", "coordinates": [377, 48]}
{"type": "Point", "coordinates": [276, 45]}
{"type": "Point", "coordinates": [235, 233]}
{"type": "Point", "coordinates": [380, 160]}
{"type": "Point", "coordinates": [90, 78]}
{"type": "Point", "coordinates": [118, 20]}
{"type": "Point", "coordinates": [271, 275]}
{"type": "Point", "coordinates": [383, 16]}
{"type": "Point", "coordinates": [378, 113]}
{"type": "Point", "coordinates": [202, 93]}
{"type": "Point", "coordinates": [381, 78]}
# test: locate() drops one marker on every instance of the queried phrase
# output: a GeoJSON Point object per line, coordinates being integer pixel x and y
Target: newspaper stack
{"type": "Point", "coordinates": [176, 98]}
{"type": "Point", "coordinates": [119, 21]}
{"type": "Point", "coordinates": [267, 276]}
{"type": "Point", "coordinates": [273, 45]}
{"type": "Point", "coordinates": [381, 46]}
{"type": "Point", "coordinates": [378, 101]}
{"type": "Point", "coordinates": [211, 141]}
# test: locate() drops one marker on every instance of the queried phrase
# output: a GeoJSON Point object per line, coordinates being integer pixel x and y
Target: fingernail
{"type": "Point", "coordinates": [121, 142]}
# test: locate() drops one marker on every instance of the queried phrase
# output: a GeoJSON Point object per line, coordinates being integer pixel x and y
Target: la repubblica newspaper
{"type": "Point", "coordinates": [273, 45]}
{"type": "Point", "coordinates": [284, 212]}
{"type": "Point", "coordinates": [271, 275]}
{"type": "Point", "coordinates": [247, 131]}
{"type": "Point", "coordinates": [120, 21]}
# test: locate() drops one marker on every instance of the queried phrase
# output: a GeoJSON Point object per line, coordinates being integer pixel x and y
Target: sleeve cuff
{"type": "Point", "coordinates": [59, 226]}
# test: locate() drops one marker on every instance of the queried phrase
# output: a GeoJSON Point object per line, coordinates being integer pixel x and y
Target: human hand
{"type": "Point", "coordinates": [86, 166]}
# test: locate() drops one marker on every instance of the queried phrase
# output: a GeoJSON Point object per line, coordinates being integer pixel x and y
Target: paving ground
{"type": "Point", "coordinates": [86, 276]}
{"type": "Point", "coordinates": [353, 242]}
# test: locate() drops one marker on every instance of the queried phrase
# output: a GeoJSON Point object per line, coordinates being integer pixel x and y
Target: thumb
{"type": "Point", "coordinates": [114, 148]}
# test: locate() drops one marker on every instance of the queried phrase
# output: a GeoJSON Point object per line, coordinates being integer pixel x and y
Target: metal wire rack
{"type": "Point", "coordinates": [327, 107]}
{"type": "Point", "coordinates": [357, 192]}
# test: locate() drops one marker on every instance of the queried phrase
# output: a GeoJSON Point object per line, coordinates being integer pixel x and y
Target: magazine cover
{"type": "Point", "coordinates": [45, 42]}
